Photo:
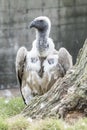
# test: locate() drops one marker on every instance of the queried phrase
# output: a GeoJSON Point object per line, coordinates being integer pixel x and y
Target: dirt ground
{"type": "Point", "coordinates": [13, 92]}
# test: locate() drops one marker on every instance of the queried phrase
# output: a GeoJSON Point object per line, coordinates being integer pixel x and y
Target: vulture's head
{"type": "Point", "coordinates": [42, 24]}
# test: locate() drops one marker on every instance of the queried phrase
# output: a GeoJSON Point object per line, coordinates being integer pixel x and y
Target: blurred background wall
{"type": "Point", "coordinates": [69, 29]}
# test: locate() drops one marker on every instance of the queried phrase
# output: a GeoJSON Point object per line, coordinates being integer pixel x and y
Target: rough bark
{"type": "Point", "coordinates": [68, 94]}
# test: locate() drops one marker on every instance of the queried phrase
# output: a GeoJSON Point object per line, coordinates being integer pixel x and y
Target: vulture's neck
{"type": "Point", "coordinates": [42, 43]}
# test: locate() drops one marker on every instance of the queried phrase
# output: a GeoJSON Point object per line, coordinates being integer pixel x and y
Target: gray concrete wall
{"type": "Point", "coordinates": [69, 29]}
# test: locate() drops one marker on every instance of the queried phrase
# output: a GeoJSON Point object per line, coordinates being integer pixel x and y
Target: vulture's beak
{"type": "Point", "coordinates": [32, 24]}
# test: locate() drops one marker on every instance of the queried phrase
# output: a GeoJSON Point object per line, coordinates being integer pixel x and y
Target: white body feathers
{"type": "Point", "coordinates": [37, 70]}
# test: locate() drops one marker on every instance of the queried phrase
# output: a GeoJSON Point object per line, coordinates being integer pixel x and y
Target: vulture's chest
{"type": "Point", "coordinates": [50, 63]}
{"type": "Point", "coordinates": [40, 71]}
{"type": "Point", "coordinates": [40, 64]}
{"type": "Point", "coordinates": [33, 63]}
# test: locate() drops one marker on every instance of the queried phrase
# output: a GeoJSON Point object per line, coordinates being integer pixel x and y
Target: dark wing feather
{"type": "Point", "coordinates": [20, 62]}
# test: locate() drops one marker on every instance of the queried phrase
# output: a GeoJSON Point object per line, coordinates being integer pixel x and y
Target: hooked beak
{"type": "Point", "coordinates": [32, 24]}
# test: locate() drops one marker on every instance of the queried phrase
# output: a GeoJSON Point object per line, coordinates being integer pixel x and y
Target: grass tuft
{"type": "Point", "coordinates": [47, 124]}
{"type": "Point", "coordinates": [18, 123]}
{"type": "Point", "coordinates": [3, 124]}
{"type": "Point", "coordinates": [54, 124]}
{"type": "Point", "coordinates": [81, 124]}
{"type": "Point", "coordinates": [10, 119]}
{"type": "Point", "coordinates": [10, 107]}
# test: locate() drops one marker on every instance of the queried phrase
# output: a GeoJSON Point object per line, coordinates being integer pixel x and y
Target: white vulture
{"type": "Point", "coordinates": [38, 69]}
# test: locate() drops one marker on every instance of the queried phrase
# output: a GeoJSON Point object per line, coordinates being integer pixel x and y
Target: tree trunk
{"type": "Point", "coordinates": [67, 95]}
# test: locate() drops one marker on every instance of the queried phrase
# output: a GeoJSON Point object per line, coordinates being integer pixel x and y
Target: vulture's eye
{"type": "Point", "coordinates": [41, 21]}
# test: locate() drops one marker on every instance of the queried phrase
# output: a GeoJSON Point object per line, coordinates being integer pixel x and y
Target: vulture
{"type": "Point", "coordinates": [37, 70]}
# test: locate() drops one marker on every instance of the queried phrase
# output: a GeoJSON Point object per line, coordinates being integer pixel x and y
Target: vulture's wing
{"type": "Point", "coordinates": [27, 69]}
{"type": "Point", "coordinates": [20, 63]}
{"type": "Point", "coordinates": [65, 59]}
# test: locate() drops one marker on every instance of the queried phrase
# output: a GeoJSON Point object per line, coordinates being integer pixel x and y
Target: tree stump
{"type": "Point", "coordinates": [67, 95]}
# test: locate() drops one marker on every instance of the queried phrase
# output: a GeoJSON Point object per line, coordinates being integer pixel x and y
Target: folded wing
{"type": "Point", "coordinates": [20, 64]}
